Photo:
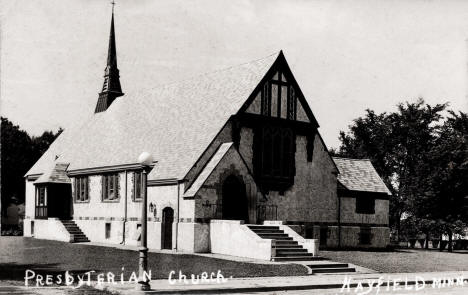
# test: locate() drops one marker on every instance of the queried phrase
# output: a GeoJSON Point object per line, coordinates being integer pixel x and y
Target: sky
{"type": "Point", "coordinates": [347, 56]}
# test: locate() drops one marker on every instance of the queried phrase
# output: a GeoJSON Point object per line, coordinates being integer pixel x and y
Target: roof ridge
{"type": "Point", "coordinates": [164, 84]}
{"type": "Point", "coordinates": [352, 159]}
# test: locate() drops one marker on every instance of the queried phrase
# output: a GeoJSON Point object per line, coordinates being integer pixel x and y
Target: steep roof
{"type": "Point", "coordinates": [359, 175]}
{"type": "Point", "coordinates": [208, 169]}
{"type": "Point", "coordinates": [174, 122]}
{"type": "Point", "coordinates": [58, 174]}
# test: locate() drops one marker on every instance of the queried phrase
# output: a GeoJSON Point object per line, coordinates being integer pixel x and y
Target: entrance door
{"type": "Point", "coordinates": [166, 235]}
{"type": "Point", "coordinates": [235, 205]}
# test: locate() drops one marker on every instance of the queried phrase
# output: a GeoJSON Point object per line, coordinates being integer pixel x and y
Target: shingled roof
{"type": "Point", "coordinates": [57, 174]}
{"type": "Point", "coordinates": [359, 175]}
{"type": "Point", "coordinates": [174, 122]}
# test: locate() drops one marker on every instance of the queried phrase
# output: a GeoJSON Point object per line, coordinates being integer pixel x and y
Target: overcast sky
{"type": "Point", "coordinates": [346, 55]}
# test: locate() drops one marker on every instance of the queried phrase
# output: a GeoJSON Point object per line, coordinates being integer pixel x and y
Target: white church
{"type": "Point", "coordinates": [240, 168]}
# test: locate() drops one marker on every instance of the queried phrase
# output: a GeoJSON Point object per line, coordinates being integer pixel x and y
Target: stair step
{"type": "Point", "coordinates": [328, 265]}
{"type": "Point", "coordinates": [266, 230]}
{"type": "Point", "coordinates": [298, 258]}
{"type": "Point", "coordinates": [274, 235]}
{"type": "Point", "coordinates": [291, 250]}
{"type": "Point", "coordinates": [293, 254]}
{"type": "Point", "coordinates": [287, 247]}
{"type": "Point", "coordinates": [287, 243]}
{"type": "Point", "coordinates": [333, 270]}
{"type": "Point", "coordinates": [263, 227]}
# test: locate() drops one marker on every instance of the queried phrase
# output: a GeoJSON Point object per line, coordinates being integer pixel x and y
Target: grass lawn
{"type": "Point", "coordinates": [403, 260]}
{"type": "Point", "coordinates": [52, 257]}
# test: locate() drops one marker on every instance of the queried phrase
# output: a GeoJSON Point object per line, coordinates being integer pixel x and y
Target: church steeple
{"type": "Point", "coordinates": [111, 88]}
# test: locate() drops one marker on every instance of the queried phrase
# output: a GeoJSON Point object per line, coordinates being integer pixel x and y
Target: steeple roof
{"type": "Point", "coordinates": [111, 88]}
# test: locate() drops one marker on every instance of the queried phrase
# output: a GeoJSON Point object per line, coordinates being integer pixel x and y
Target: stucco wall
{"type": "Point", "coordinates": [349, 215]}
{"type": "Point", "coordinates": [313, 196]}
{"type": "Point", "coordinates": [380, 237]}
{"type": "Point", "coordinates": [211, 191]}
{"type": "Point", "coordinates": [30, 199]}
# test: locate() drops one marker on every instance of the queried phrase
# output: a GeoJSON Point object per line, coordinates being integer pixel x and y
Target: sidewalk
{"type": "Point", "coordinates": [266, 284]}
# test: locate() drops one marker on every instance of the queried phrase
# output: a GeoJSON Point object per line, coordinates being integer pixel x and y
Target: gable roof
{"type": "Point", "coordinates": [208, 169]}
{"type": "Point", "coordinates": [359, 175]}
{"type": "Point", "coordinates": [173, 122]}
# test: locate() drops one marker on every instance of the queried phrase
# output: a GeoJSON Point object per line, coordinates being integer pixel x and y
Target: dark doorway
{"type": "Point", "coordinates": [235, 205]}
{"type": "Point", "coordinates": [59, 200]}
{"type": "Point", "coordinates": [53, 200]}
{"type": "Point", "coordinates": [166, 235]}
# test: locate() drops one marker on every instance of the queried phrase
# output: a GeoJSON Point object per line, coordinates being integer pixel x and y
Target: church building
{"type": "Point", "coordinates": [240, 168]}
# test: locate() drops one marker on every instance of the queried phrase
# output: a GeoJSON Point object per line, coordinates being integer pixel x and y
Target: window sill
{"type": "Point", "coordinates": [81, 202]}
{"type": "Point", "coordinates": [110, 201]}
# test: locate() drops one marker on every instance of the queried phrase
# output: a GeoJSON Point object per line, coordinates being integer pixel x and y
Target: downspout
{"type": "Point", "coordinates": [177, 223]}
{"type": "Point", "coordinates": [339, 219]}
{"type": "Point", "coordinates": [125, 209]}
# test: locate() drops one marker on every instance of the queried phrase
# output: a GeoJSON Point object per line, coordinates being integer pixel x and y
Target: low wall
{"type": "Point", "coordinates": [232, 237]}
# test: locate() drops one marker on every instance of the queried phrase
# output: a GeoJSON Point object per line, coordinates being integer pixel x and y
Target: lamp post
{"type": "Point", "coordinates": [146, 161]}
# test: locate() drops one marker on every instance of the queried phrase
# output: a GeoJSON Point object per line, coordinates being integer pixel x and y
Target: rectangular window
{"type": "Point", "coordinates": [365, 236]}
{"type": "Point", "coordinates": [41, 199]}
{"type": "Point", "coordinates": [81, 189]}
{"type": "Point", "coordinates": [108, 230]}
{"type": "Point", "coordinates": [137, 177]}
{"type": "Point", "coordinates": [266, 101]}
{"type": "Point", "coordinates": [274, 99]}
{"type": "Point", "coordinates": [365, 205]}
{"type": "Point", "coordinates": [292, 103]}
{"type": "Point", "coordinates": [32, 228]}
{"type": "Point", "coordinates": [323, 235]}
{"type": "Point", "coordinates": [284, 101]}
{"type": "Point", "coordinates": [277, 153]}
{"type": "Point", "coordinates": [110, 187]}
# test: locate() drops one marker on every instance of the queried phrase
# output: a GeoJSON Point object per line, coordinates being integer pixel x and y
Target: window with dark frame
{"type": "Point", "coordinates": [41, 196]}
{"type": "Point", "coordinates": [110, 187]}
{"type": "Point", "coordinates": [81, 189]}
{"type": "Point", "coordinates": [137, 177]}
{"type": "Point", "coordinates": [277, 152]}
{"type": "Point", "coordinates": [279, 98]}
{"type": "Point", "coordinates": [365, 205]}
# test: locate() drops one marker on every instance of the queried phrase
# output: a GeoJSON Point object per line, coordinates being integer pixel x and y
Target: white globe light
{"type": "Point", "coordinates": [145, 159]}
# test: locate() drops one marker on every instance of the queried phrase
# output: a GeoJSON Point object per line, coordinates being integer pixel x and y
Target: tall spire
{"type": "Point", "coordinates": [111, 88]}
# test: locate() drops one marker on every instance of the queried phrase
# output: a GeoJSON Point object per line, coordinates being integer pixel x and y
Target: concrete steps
{"type": "Point", "coordinates": [286, 248]}
{"type": "Point", "coordinates": [74, 231]}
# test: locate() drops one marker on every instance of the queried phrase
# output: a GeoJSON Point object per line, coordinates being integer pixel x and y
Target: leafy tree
{"type": "Point", "coordinates": [18, 153]}
{"type": "Point", "coordinates": [422, 158]}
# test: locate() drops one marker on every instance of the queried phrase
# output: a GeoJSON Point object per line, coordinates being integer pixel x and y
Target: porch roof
{"type": "Point", "coordinates": [58, 174]}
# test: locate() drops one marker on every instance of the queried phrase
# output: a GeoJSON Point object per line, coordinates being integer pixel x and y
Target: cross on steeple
{"type": "Point", "coordinates": [111, 88]}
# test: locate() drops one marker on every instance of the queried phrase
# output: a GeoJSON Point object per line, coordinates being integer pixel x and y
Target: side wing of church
{"type": "Point", "coordinates": [238, 161]}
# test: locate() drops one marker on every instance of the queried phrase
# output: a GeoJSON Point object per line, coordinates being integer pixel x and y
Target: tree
{"type": "Point", "coordinates": [18, 153]}
{"type": "Point", "coordinates": [401, 145]}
